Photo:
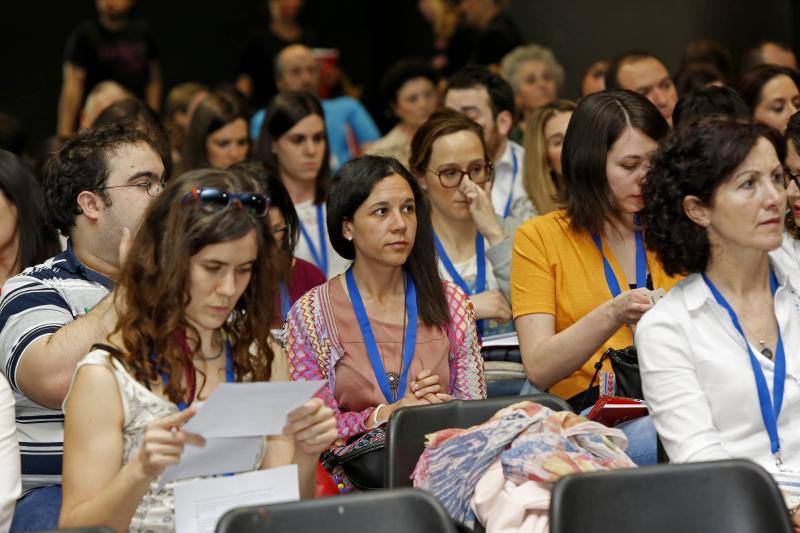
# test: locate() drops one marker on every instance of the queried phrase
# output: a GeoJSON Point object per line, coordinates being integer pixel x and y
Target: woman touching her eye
{"type": "Point", "coordinates": [197, 289]}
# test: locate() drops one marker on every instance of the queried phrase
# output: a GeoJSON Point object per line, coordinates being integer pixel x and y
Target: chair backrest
{"type": "Point", "coordinates": [734, 496]}
{"type": "Point", "coordinates": [407, 427]}
{"type": "Point", "coordinates": [384, 511]}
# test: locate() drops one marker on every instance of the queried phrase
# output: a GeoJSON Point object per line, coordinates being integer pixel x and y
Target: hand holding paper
{"type": "Point", "coordinates": [164, 440]}
{"type": "Point", "coordinates": [313, 427]}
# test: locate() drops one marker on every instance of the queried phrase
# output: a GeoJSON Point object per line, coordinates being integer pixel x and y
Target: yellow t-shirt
{"type": "Point", "coordinates": [559, 272]}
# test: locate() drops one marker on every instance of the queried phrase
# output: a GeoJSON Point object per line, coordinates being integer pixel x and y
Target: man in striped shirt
{"type": "Point", "coordinates": [97, 188]}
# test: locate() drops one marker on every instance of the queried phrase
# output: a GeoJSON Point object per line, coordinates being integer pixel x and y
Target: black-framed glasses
{"type": "Point", "coordinates": [788, 177]}
{"type": "Point", "coordinates": [151, 187]}
{"type": "Point", "coordinates": [214, 200]}
{"type": "Point", "coordinates": [479, 172]}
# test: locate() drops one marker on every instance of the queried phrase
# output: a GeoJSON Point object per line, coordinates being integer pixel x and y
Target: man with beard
{"type": "Point", "coordinates": [115, 46]}
{"type": "Point", "coordinates": [488, 99]}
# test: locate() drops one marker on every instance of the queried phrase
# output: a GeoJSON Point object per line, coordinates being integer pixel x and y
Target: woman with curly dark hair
{"type": "Point", "coordinates": [716, 352]}
{"type": "Point", "coordinates": [196, 290]}
{"type": "Point", "coordinates": [580, 276]}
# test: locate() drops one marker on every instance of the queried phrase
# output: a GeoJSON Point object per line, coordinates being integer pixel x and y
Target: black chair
{"type": "Point", "coordinates": [407, 427]}
{"type": "Point", "coordinates": [733, 496]}
{"type": "Point", "coordinates": [385, 511]}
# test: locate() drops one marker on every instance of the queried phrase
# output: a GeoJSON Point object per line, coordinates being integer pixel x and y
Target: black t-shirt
{"type": "Point", "coordinates": [258, 61]}
{"type": "Point", "coordinates": [122, 56]}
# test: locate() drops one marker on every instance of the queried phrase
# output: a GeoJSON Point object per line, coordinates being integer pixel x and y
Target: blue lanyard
{"type": "Point", "coordinates": [286, 303]}
{"type": "Point", "coordinates": [507, 210]}
{"type": "Point", "coordinates": [319, 256]}
{"type": "Point", "coordinates": [480, 253]}
{"type": "Point", "coordinates": [230, 376]}
{"type": "Point", "coordinates": [641, 265]}
{"type": "Point", "coordinates": [770, 408]}
{"type": "Point", "coordinates": [410, 339]}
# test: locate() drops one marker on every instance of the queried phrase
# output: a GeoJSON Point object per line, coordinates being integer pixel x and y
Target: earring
{"type": "Point", "coordinates": [349, 237]}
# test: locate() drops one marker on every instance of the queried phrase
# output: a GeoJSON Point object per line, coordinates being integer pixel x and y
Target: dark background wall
{"type": "Point", "coordinates": [201, 39]}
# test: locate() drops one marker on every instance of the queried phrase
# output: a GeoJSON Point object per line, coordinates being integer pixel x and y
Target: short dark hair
{"type": "Point", "coordinates": [215, 111]}
{"type": "Point", "coordinates": [752, 82]}
{"type": "Point", "coordinates": [501, 94]}
{"type": "Point", "coordinates": [350, 187]}
{"type": "Point", "coordinates": [37, 239]}
{"type": "Point", "coordinates": [82, 164]}
{"type": "Point", "coordinates": [283, 113]}
{"type": "Point", "coordinates": [697, 76]}
{"type": "Point", "coordinates": [711, 52]}
{"type": "Point", "coordinates": [598, 121]}
{"type": "Point", "coordinates": [694, 160]}
{"type": "Point", "coordinates": [442, 122]}
{"type": "Point", "coordinates": [711, 101]}
{"type": "Point", "coordinates": [754, 56]}
{"type": "Point", "coordinates": [612, 74]}
{"type": "Point", "coordinates": [403, 71]}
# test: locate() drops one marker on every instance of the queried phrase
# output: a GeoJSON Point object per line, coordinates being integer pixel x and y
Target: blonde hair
{"type": "Point", "coordinates": [538, 181]}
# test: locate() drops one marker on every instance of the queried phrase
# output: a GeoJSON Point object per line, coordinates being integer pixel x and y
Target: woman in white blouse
{"type": "Point", "coordinates": [9, 457]}
{"type": "Point", "coordinates": [719, 354]}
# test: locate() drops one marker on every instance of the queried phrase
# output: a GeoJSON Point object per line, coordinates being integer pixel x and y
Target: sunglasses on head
{"type": "Point", "coordinates": [213, 200]}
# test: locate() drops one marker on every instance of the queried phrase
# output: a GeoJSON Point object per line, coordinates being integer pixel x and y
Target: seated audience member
{"type": "Point", "coordinates": [769, 53]}
{"type": "Point", "coordinates": [716, 352]}
{"type": "Point", "coordinates": [293, 144]}
{"type": "Point", "coordinates": [217, 136]}
{"type": "Point", "coordinates": [254, 74]}
{"type": "Point", "coordinates": [697, 76]}
{"type": "Point", "coordinates": [443, 17]}
{"type": "Point", "coordinates": [96, 188]}
{"type": "Point", "coordinates": [388, 333]}
{"type": "Point", "coordinates": [409, 88]}
{"type": "Point", "coordinates": [773, 94]}
{"type": "Point", "coordinates": [711, 101]}
{"type": "Point", "coordinates": [450, 160]}
{"type": "Point", "coordinates": [349, 126]}
{"type": "Point", "coordinates": [297, 275]}
{"type": "Point", "coordinates": [709, 52]}
{"type": "Point", "coordinates": [645, 74]}
{"type": "Point", "coordinates": [536, 77]}
{"type": "Point", "coordinates": [498, 34]}
{"type": "Point", "coordinates": [488, 99]}
{"type": "Point", "coordinates": [26, 237]}
{"type": "Point", "coordinates": [581, 277]}
{"type": "Point", "coordinates": [181, 103]}
{"type": "Point", "coordinates": [131, 395]}
{"type": "Point", "coordinates": [788, 255]}
{"type": "Point", "coordinates": [594, 78]}
{"type": "Point", "coordinates": [544, 139]}
{"type": "Point", "coordinates": [10, 486]}
{"type": "Point", "coordinates": [103, 95]}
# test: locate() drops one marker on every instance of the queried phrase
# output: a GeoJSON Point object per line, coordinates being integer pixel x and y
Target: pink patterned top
{"type": "Point", "coordinates": [313, 349]}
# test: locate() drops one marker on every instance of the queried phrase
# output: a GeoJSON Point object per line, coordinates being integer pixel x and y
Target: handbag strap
{"type": "Point", "coordinates": [597, 367]}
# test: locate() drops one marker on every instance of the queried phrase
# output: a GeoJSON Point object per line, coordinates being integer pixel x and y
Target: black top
{"type": "Point", "coordinates": [122, 56]}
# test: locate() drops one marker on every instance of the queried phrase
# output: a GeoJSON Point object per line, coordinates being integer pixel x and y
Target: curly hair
{"type": "Point", "coordinates": [154, 285]}
{"type": "Point", "coordinates": [792, 135]}
{"type": "Point", "coordinates": [83, 164]}
{"type": "Point", "coordinates": [694, 160]}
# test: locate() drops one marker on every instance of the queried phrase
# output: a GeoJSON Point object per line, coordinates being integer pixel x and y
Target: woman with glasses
{"type": "Point", "coordinates": [582, 277]}
{"type": "Point", "coordinates": [389, 332]}
{"type": "Point", "coordinates": [718, 354]}
{"type": "Point", "coordinates": [197, 288]}
{"type": "Point", "coordinates": [449, 158]}
{"type": "Point", "coordinates": [293, 144]}
{"type": "Point", "coordinates": [788, 255]}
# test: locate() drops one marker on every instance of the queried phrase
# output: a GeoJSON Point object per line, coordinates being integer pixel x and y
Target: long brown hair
{"type": "Point", "coordinates": [154, 286]}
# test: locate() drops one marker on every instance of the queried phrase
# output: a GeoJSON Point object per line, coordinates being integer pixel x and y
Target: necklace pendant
{"type": "Point", "coordinates": [394, 383]}
{"type": "Point", "coordinates": [766, 352]}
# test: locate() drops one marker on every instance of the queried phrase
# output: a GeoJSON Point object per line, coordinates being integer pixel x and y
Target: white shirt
{"type": "Point", "coordinates": [10, 486]}
{"type": "Point", "coordinates": [504, 175]}
{"type": "Point", "coordinates": [698, 382]}
{"type": "Point", "coordinates": [307, 213]}
{"type": "Point", "coordinates": [787, 257]}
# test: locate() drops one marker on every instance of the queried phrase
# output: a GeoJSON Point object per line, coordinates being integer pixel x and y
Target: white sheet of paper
{"type": "Point", "coordinates": [200, 504]}
{"type": "Point", "coordinates": [218, 456]}
{"type": "Point", "coordinates": [250, 409]}
{"type": "Point", "coordinates": [504, 339]}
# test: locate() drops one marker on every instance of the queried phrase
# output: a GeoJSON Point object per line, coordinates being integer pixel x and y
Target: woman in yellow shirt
{"type": "Point", "coordinates": [580, 276]}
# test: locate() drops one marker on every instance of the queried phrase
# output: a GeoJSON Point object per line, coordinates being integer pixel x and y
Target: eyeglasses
{"type": "Point", "coordinates": [151, 187]}
{"type": "Point", "coordinates": [213, 200]}
{"type": "Point", "coordinates": [789, 177]}
{"type": "Point", "coordinates": [479, 172]}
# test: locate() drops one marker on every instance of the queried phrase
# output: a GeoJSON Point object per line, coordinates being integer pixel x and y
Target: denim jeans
{"type": "Point", "coordinates": [37, 510]}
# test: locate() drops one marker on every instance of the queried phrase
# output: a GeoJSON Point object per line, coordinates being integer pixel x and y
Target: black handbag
{"type": "Point", "coordinates": [625, 365]}
{"type": "Point", "coordinates": [361, 459]}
